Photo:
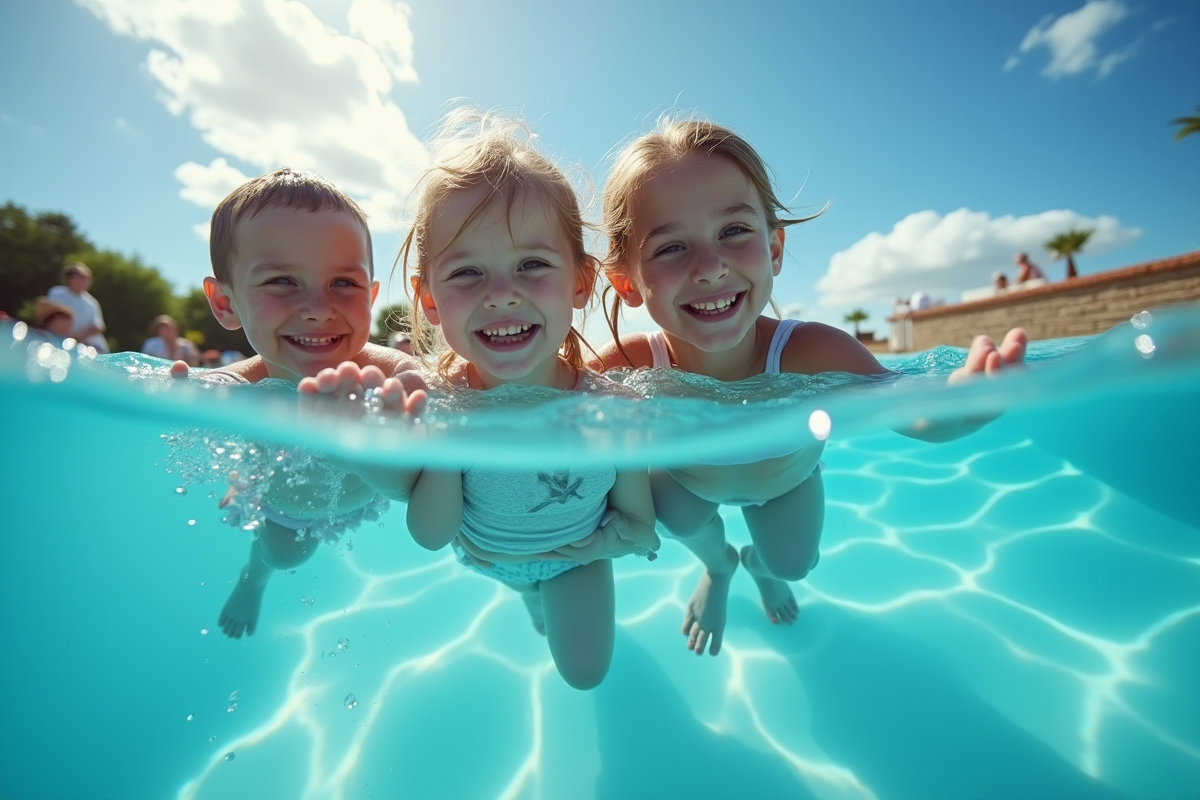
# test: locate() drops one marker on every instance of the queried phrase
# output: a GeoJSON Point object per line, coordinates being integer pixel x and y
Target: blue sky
{"type": "Point", "coordinates": [946, 135]}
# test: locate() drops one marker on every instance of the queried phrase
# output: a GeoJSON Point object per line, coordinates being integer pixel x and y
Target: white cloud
{"type": "Point", "coordinates": [945, 254]}
{"type": "Point", "coordinates": [1072, 40]}
{"type": "Point", "coordinates": [268, 84]}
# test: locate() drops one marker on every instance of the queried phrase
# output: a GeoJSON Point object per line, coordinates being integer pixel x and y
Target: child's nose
{"type": "Point", "coordinates": [502, 294]}
{"type": "Point", "coordinates": [707, 264]}
{"type": "Point", "coordinates": [317, 306]}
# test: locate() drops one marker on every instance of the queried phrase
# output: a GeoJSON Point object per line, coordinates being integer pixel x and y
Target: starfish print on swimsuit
{"type": "Point", "coordinates": [560, 489]}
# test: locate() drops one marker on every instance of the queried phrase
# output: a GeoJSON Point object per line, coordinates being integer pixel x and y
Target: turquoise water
{"type": "Point", "coordinates": [1013, 614]}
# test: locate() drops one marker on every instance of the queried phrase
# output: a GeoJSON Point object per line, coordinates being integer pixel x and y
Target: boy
{"type": "Point", "coordinates": [292, 266]}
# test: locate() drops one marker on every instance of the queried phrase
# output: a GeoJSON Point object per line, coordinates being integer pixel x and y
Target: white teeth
{"type": "Point", "coordinates": [507, 330]}
{"type": "Point", "coordinates": [313, 341]}
{"type": "Point", "coordinates": [719, 305]}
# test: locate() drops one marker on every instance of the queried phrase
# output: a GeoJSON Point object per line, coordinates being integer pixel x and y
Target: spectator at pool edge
{"type": "Point", "coordinates": [1027, 270]}
{"type": "Point", "coordinates": [53, 319]}
{"type": "Point", "coordinates": [88, 320]}
{"type": "Point", "coordinates": [165, 342]}
{"type": "Point", "coordinates": [999, 281]}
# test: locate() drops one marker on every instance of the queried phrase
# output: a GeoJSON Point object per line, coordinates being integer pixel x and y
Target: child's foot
{"type": "Point", "coordinates": [533, 602]}
{"type": "Point", "coordinates": [240, 614]}
{"type": "Point", "coordinates": [704, 616]}
{"type": "Point", "coordinates": [777, 598]}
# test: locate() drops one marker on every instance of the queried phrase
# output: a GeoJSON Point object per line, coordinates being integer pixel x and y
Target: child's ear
{"type": "Point", "coordinates": [425, 300]}
{"type": "Point", "coordinates": [221, 304]}
{"type": "Point", "coordinates": [585, 282]}
{"type": "Point", "coordinates": [777, 251]}
{"type": "Point", "coordinates": [624, 288]}
{"type": "Point", "coordinates": [374, 291]}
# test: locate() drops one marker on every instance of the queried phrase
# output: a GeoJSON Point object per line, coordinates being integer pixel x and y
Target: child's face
{"type": "Point", "coordinates": [701, 256]}
{"type": "Point", "coordinates": [60, 325]}
{"type": "Point", "coordinates": [300, 285]}
{"type": "Point", "coordinates": [503, 290]}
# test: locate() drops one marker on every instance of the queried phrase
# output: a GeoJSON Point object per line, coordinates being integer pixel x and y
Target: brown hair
{"type": "Point", "coordinates": [671, 139]}
{"type": "Point", "coordinates": [473, 149]}
{"type": "Point", "coordinates": [283, 188]}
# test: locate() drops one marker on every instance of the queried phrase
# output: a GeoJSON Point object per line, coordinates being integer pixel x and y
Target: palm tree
{"type": "Point", "coordinates": [1066, 245]}
{"type": "Point", "coordinates": [856, 316]}
{"type": "Point", "coordinates": [1187, 125]}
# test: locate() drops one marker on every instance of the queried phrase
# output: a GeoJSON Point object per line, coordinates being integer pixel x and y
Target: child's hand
{"type": "Point", "coordinates": [618, 535]}
{"type": "Point", "coordinates": [984, 357]}
{"type": "Point", "coordinates": [349, 382]}
{"type": "Point", "coordinates": [180, 369]}
{"type": "Point", "coordinates": [485, 558]}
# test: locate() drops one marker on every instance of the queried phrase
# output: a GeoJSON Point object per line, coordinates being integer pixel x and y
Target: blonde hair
{"type": "Point", "coordinates": [672, 139]}
{"type": "Point", "coordinates": [474, 149]}
{"type": "Point", "coordinates": [283, 188]}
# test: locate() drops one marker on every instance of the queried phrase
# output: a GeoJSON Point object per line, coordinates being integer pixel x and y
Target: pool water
{"type": "Point", "coordinates": [1012, 614]}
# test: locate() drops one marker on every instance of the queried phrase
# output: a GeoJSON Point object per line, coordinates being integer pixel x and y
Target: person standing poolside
{"type": "Point", "coordinates": [167, 343]}
{"type": "Point", "coordinates": [89, 322]}
{"type": "Point", "coordinates": [1027, 270]}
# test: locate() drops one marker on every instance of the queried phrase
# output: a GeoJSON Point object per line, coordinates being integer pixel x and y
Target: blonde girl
{"type": "Point", "coordinates": [496, 261]}
{"type": "Point", "coordinates": [696, 234]}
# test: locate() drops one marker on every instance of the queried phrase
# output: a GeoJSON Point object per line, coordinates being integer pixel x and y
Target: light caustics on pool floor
{"type": "Point", "coordinates": [987, 561]}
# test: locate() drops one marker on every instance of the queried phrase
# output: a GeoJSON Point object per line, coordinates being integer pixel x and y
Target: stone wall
{"type": "Point", "coordinates": [1078, 307]}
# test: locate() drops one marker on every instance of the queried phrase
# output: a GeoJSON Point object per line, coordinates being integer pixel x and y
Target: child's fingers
{"type": "Point", "coordinates": [179, 369]}
{"type": "Point", "coordinates": [307, 386]}
{"type": "Point", "coordinates": [372, 377]}
{"type": "Point", "coordinates": [1013, 348]}
{"type": "Point", "coordinates": [327, 381]}
{"type": "Point", "coordinates": [992, 364]}
{"type": "Point", "coordinates": [414, 403]}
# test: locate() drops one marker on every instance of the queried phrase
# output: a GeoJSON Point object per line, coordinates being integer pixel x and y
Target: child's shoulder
{"type": "Point", "coordinates": [815, 347]}
{"type": "Point", "coordinates": [634, 351]}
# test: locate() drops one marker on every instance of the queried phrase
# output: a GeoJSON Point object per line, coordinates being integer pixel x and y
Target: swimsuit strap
{"type": "Point", "coordinates": [658, 347]}
{"type": "Point", "coordinates": [782, 333]}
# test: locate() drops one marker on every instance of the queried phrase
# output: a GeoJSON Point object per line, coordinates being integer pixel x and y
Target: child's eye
{"type": "Point", "coordinates": [342, 283]}
{"type": "Point", "coordinates": [534, 263]}
{"type": "Point", "coordinates": [279, 280]}
{"type": "Point", "coordinates": [464, 272]}
{"type": "Point", "coordinates": [735, 229]}
{"type": "Point", "coordinates": [668, 249]}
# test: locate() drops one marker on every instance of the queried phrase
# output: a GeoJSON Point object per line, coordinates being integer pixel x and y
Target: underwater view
{"type": "Point", "coordinates": [1012, 614]}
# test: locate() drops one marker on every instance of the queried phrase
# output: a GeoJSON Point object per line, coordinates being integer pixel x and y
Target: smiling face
{"type": "Point", "coordinates": [502, 287]}
{"type": "Point", "coordinates": [300, 285]}
{"type": "Point", "coordinates": [701, 254]}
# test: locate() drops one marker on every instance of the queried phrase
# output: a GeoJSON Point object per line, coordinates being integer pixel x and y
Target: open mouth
{"type": "Point", "coordinates": [507, 336]}
{"type": "Point", "coordinates": [315, 344]}
{"type": "Point", "coordinates": [714, 309]}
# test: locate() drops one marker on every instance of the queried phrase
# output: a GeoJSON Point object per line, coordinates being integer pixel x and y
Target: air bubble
{"type": "Point", "coordinates": [212, 738]}
{"type": "Point", "coordinates": [181, 490]}
{"type": "Point", "coordinates": [234, 695]}
{"type": "Point", "coordinates": [203, 631]}
{"type": "Point", "coordinates": [819, 424]}
{"type": "Point", "coordinates": [343, 643]}
{"type": "Point", "coordinates": [351, 701]}
{"type": "Point", "coordinates": [1145, 345]}
{"type": "Point", "coordinates": [191, 717]}
{"type": "Point", "coordinates": [232, 708]}
{"type": "Point", "coordinates": [191, 523]}
{"type": "Point", "coordinates": [1141, 320]}
{"type": "Point", "coordinates": [229, 756]}
{"type": "Point", "coordinates": [19, 331]}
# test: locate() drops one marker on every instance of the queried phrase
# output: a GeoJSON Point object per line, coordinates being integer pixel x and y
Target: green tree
{"type": "Point", "coordinates": [33, 251]}
{"type": "Point", "coordinates": [855, 317]}
{"type": "Point", "coordinates": [1066, 245]}
{"type": "Point", "coordinates": [1187, 125]}
{"type": "Point", "coordinates": [195, 316]}
{"type": "Point", "coordinates": [130, 294]}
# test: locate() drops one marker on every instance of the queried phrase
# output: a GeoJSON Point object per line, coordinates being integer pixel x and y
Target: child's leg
{"type": "Point", "coordinates": [696, 523]}
{"type": "Point", "coordinates": [276, 547]}
{"type": "Point", "coordinates": [786, 533]}
{"type": "Point", "coordinates": [580, 611]}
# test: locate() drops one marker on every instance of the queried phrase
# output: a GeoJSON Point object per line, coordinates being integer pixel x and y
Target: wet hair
{"type": "Point", "coordinates": [474, 149]}
{"type": "Point", "coordinates": [672, 139]}
{"type": "Point", "coordinates": [283, 188]}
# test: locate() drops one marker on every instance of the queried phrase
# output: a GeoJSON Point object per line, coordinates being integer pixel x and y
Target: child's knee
{"type": "Point", "coordinates": [279, 547]}
{"type": "Point", "coordinates": [584, 674]}
{"type": "Point", "coordinates": [686, 527]}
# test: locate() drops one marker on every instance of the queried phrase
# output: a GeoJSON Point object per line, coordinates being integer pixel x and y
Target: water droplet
{"type": "Point", "coordinates": [308, 601]}
{"type": "Point", "coordinates": [211, 495]}
{"type": "Point", "coordinates": [191, 523]}
{"type": "Point", "coordinates": [181, 490]}
{"type": "Point", "coordinates": [19, 331]}
{"type": "Point", "coordinates": [220, 451]}
{"type": "Point", "coordinates": [212, 738]}
{"type": "Point", "coordinates": [343, 643]}
{"type": "Point", "coordinates": [232, 708]}
{"type": "Point", "coordinates": [1141, 320]}
{"type": "Point", "coordinates": [1145, 345]}
{"type": "Point", "coordinates": [819, 424]}
{"type": "Point", "coordinates": [201, 583]}
{"type": "Point", "coordinates": [234, 695]}
{"type": "Point", "coordinates": [229, 756]}
{"type": "Point", "coordinates": [203, 631]}
{"type": "Point", "coordinates": [351, 701]}
{"type": "Point", "coordinates": [387, 624]}
{"type": "Point", "coordinates": [191, 717]}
